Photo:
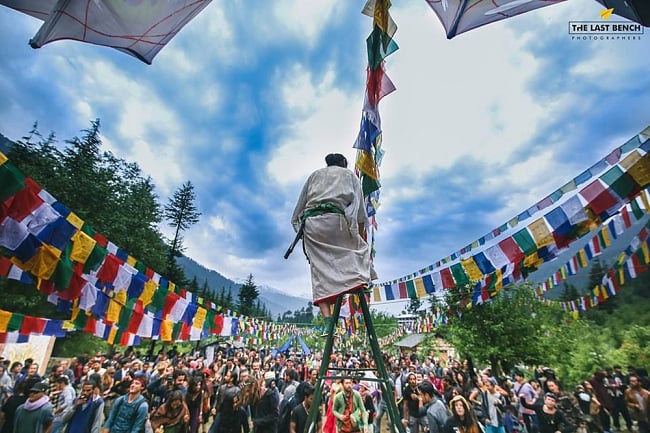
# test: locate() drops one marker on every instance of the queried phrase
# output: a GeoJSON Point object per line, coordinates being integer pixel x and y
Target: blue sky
{"type": "Point", "coordinates": [250, 96]}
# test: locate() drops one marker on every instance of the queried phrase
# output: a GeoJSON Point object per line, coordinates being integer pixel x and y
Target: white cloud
{"type": "Point", "coordinates": [324, 119]}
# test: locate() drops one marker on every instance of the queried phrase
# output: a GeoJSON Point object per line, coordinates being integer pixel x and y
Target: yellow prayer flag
{"type": "Point", "coordinates": [5, 317]}
{"type": "Point", "coordinates": [3, 158]}
{"type": "Point", "coordinates": [582, 258]}
{"type": "Point", "coordinates": [82, 246]}
{"type": "Point", "coordinates": [419, 288]}
{"type": "Point", "coordinates": [111, 335]}
{"type": "Point", "coordinates": [607, 241]}
{"type": "Point", "coordinates": [640, 172]}
{"type": "Point", "coordinates": [621, 276]}
{"type": "Point", "coordinates": [603, 292]}
{"type": "Point", "coordinates": [575, 314]}
{"type": "Point", "coordinates": [147, 293]}
{"type": "Point", "coordinates": [533, 261]}
{"type": "Point", "coordinates": [166, 328]}
{"type": "Point", "coordinates": [131, 261]}
{"type": "Point", "coordinates": [44, 262]}
{"type": "Point", "coordinates": [376, 294]}
{"type": "Point", "coordinates": [630, 159]}
{"type": "Point", "coordinates": [172, 286]}
{"type": "Point", "coordinates": [541, 233]}
{"type": "Point", "coordinates": [644, 199]}
{"type": "Point", "coordinates": [115, 306]}
{"type": "Point", "coordinates": [199, 318]}
{"type": "Point", "coordinates": [498, 282]}
{"type": "Point", "coordinates": [471, 269]}
{"type": "Point", "coordinates": [74, 219]}
{"type": "Point", "coordinates": [366, 164]}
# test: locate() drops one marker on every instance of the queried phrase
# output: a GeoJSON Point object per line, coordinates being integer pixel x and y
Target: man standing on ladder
{"type": "Point", "coordinates": [330, 215]}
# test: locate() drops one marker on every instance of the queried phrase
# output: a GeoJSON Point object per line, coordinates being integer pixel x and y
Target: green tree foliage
{"type": "Point", "coordinates": [413, 306]}
{"type": "Point", "coordinates": [248, 294]}
{"type": "Point", "coordinates": [513, 327]}
{"type": "Point", "coordinates": [111, 195]}
{"type": "Point", "coordinates": [181, 213]}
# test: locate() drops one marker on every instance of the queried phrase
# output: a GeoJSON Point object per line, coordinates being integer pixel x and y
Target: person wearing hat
{"type": "Point", "coordinates": [550, 419]}
{"type": "Point", "coordinates": [462, 418]}
{"type": "Point", "coordinates": [330, 213]}
{"type": "Point", "coordinates": [35, 415]}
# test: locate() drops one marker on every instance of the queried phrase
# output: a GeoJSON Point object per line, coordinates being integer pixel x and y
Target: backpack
{"type": "Point", "coordinates": [137, 408]}
{"type": "Point", "coordinates": [286, 407]}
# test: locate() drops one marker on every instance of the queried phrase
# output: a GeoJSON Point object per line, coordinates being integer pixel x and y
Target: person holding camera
{"type": "Point", "coordinates": [87, 414]}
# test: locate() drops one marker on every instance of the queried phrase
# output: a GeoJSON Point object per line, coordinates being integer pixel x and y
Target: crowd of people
{"type": "Point", "coordinates": [246, 390]}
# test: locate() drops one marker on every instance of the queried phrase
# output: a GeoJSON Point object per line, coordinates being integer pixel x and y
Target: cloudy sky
{"type": "Point", "coordinates": [250, 96]}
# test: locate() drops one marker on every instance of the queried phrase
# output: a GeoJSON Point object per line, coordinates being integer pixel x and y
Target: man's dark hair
{"type": "Point", "coordinates": [62, 379]}
{"type": "Point", "coordinates": [308, 389]}
{"type": "Point", "coordinates": [336, 159]}
{"type": "Point", "coordinates": [427, 388]}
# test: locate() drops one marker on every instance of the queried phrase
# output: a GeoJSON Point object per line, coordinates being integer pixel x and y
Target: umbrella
{"type": "Point", "coordinates": [458, 16]}
{"type": "Point", "coordinates": [137, 27]}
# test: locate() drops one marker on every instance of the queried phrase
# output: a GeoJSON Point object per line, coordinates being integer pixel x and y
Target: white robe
{"type": "Point", "coordinates": [338, 256]}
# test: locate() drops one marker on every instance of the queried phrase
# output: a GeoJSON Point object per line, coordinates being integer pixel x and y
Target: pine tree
{"type": "Point", "coordinates": [248, 294]}
{"type": "Point", "coordinates": [181, 213]}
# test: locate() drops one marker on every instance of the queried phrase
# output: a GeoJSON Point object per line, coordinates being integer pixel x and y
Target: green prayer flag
{"type": "Point", "coordinates": [368, 185]}
{"type": "Point", "coordinates": [625, 186]}
{"type": "Point", "coordinates": [80, 320]}
{"type": "Point", "coordinates": [95, 258]}
{"type": "Point", "coordinates": [12, 180]}
{"type": "Point", "coordinates": [16, 322]}
{"type": "Point", "coordinates": [63, 272]}
{"type": "Point", "coordinates": [158, 300]}
{"type": "Point", "coordinates": [379, 45]}
{"type": "Point", "coordinates": [460, 277]}
{"type": "Point", "coordinates": [525, 241]}
{"type": "Point", "coordinates": [636, 209]}
{"type": "Point", "coordinates": [410, 289]}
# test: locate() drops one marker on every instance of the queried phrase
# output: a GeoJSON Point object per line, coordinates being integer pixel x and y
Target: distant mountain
{"type": "Point", "coordinates": [276, 301]}
{"type": "Point", "coordinates": [5, 144]}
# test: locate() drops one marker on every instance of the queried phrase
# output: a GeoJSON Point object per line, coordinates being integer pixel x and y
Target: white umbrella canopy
{"type": "Point", "coordinates": [138, 28]}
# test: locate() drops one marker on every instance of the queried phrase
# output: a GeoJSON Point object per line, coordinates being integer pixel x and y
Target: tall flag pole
{"type": "Point", "coordinates": [380, 44]}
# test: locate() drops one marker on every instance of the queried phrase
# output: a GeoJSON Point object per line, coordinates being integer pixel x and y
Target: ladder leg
{"type": "Point", "coordinates": [322, 372]}
{"type": "Point", "coordinates": [387, 387]}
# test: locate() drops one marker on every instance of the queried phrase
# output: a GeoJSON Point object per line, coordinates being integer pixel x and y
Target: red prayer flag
{"type": "Point", "coordinates": [511, 250]}
{"type": "Point", "coordinates": [33, 325]}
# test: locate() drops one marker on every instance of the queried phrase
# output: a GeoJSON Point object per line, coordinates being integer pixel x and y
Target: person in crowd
{"type": "Point", "coordinates": [87, 414]}
{"type": "Point", "coordinates": [368, 401]}
{"type": "Point", "coordinates": [64, 402]}
{"type": "Point", "coordinates": [17, 398]}
{"type": "Point", "coordinates": [267, 411]}
{"type": "Point", "coordinates": [637, 399]}
{"type": "Point", "coordinates": [300, 413]}
{"type": "Point", "coordinates": [35, 415]}
{"type": "Point", "coordinates": [30, 372]}
{"type": "Point", "coordinates": [129, 412]}
{"type": "Point", "coordinates": [173, 416]}
{"type": "Point", "coordinates": [492, 405]}
{"type": "Point", "coordinates": [524, 389]}
{"type": "Point", "coordinates": [435, 409]}
{"type": "Point", "coordinates": [6, 385]}
{"type": "Point", "coordinates": [616, 386]}
{"type": "Point", "coordinates": [231, 419]}
{"type": "Point", "coordinates": [331, 213]}
{"type": "Point", "coordinates": [412, 404]}
{"type": "Point", "coordinates": [349, 410]}
{"type": "Point", "coordinates": [462, 418]}
{"type": "Point", "coordinates": [598, 383]}
{"type": "Point", "coordinates": [566, 402]}
{"type": "Point", "coordinates": [550, 419]}
{"type": "Point", "coordinates": [197, 402]}
{"type": "Point", "coordinates": [329, 425]}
